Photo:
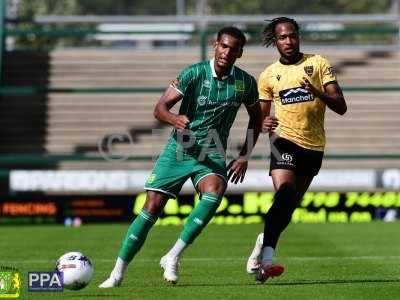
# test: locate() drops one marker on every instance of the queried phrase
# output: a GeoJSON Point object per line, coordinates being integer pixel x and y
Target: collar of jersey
{"type": "Point", "coordinates": [215, 74]}
{"type": "Point", "coordinates": [293, 63]}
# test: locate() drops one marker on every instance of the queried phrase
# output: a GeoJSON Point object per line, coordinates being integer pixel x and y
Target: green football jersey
{"type": "Point", "coordinates": [212, 104]}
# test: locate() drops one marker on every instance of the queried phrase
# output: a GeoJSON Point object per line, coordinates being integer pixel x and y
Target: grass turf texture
{"type": "Point", "coordinates": [323, 261]}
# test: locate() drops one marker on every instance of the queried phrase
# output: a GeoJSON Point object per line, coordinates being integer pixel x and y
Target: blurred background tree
{"type": "Point", "coordinates": [27, 9]}
{"type": "Point", "coordinates": [127, 7]}
{"type": "Point", "coordinates": [293, 7]}
{"type": "Point", "coordinates": [215, 7]}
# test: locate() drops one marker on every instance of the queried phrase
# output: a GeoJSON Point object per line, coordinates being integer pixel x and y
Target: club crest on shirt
{"type": "Point", "coordinates": [309, 70]}
{"type": "Point", "coordinates": [151, 178]}
{"type": "Point", "coordinates": [206, 83]}
{"type": "Point", "coordinates": [239, 86]}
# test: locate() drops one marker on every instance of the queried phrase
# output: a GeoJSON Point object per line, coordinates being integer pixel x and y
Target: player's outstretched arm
{"type": "Point", "coordinates": [333, 96]}
{"type": "Point", "coordinates": [162, 110]}
{"type": "Point", "coordinates": [253, 129]}
{"type": "Point", "coordinates": [238, 167]}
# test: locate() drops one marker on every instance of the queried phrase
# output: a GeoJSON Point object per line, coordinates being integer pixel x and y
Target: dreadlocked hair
{"type": "Point", "coordinates": [268, 34]}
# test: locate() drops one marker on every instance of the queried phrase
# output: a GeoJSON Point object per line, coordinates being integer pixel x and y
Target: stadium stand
{"type": "Point", "coordinates": [74, 123]}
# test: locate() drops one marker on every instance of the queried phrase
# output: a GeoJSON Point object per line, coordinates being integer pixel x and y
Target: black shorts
{"type": "Point", "coordinates": [290, 156]}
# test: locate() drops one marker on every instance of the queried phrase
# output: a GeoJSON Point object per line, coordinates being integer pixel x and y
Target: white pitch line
{"type": "Point", "coordinates": [211, 259]}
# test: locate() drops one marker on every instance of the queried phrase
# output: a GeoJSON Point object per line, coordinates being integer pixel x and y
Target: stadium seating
{"type": "Point", "coordinates": [70, 123]}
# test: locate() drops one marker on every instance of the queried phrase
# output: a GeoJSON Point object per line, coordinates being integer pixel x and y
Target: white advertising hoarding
{"type": "Point", "coordinates": [133, 181]}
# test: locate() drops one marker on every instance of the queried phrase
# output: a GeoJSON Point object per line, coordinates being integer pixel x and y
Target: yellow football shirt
{"type": "Point", "coordinates": [300, 114]}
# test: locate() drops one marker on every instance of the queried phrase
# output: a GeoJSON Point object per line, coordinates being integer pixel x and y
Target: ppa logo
{"type": "Point", "coordinates": [45, 282]}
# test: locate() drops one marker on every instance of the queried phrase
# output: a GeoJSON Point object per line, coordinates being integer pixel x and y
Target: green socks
{"type": "Point", "coordinates": [200, 216]}
{"type": "Point", "coordinates": [197, 220]}
{"type": "Point", "coordinates": [136, 235]}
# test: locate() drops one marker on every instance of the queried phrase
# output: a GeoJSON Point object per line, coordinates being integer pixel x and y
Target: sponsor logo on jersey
{"type": "Point", "coordinates": [278, 77]}
{"type": "Point", "coordinates": [201, 100]}
{"type": "Point", "coordinates": [233, 103]}
{"type": "Point", "coordinates": [239, 86]}
{"type": "Point", "coordinates": [309, 70]}
{"type": "Point", "coordinates": [295, 95]}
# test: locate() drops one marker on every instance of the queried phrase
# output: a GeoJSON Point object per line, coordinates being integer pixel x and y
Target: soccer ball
{"type": "Point", "coordinates": [77, 270]}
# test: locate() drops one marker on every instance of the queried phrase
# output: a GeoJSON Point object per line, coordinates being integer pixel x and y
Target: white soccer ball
{"type": "Point", "coordinates": [77, 270]}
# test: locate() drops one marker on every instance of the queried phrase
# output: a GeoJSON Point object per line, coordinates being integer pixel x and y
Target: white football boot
{"type": "Point", "coordinates": [170, 267]}
{"type": "Point", "coordinates": [110, 282]}
{"type": "Point", "coordinates": [254, 260]}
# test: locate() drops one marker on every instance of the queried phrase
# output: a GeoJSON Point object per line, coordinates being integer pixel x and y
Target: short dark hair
{"type": "Point", "coordinates": [269, 30]}
{"type": "Point", "coordinates": [232, 31]}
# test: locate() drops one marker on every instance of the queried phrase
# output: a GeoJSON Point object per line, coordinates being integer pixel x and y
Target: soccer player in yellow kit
{"type": "Point", "coordinates": [300, 86]}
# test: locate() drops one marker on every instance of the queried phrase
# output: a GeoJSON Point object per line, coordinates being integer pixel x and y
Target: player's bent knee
{"type": "Point", "coordinates": [212, 184]}
{"type": "Point", "coordinates": [155, 202]}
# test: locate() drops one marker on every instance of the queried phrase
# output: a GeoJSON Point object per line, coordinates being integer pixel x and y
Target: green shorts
{"type": "Point", "coordinates": [174, 167]}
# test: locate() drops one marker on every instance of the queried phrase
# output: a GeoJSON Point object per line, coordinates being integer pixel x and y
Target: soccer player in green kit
{"type": "Point", "coordinates": [211, 92]}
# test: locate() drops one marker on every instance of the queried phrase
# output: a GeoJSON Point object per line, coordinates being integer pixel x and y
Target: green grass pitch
{"type": "Point", "coordinates": [323, 261]}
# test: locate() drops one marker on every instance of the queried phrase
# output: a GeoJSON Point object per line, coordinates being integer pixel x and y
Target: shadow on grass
{"type": "Point", "coordinates": [298, 282]}
{"type": "Point", "coordinates": [335, 281]}
{"type": "Point", "coordinates": [95, 296]}
{"type": "Point", "coordinates": [249, 284]}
